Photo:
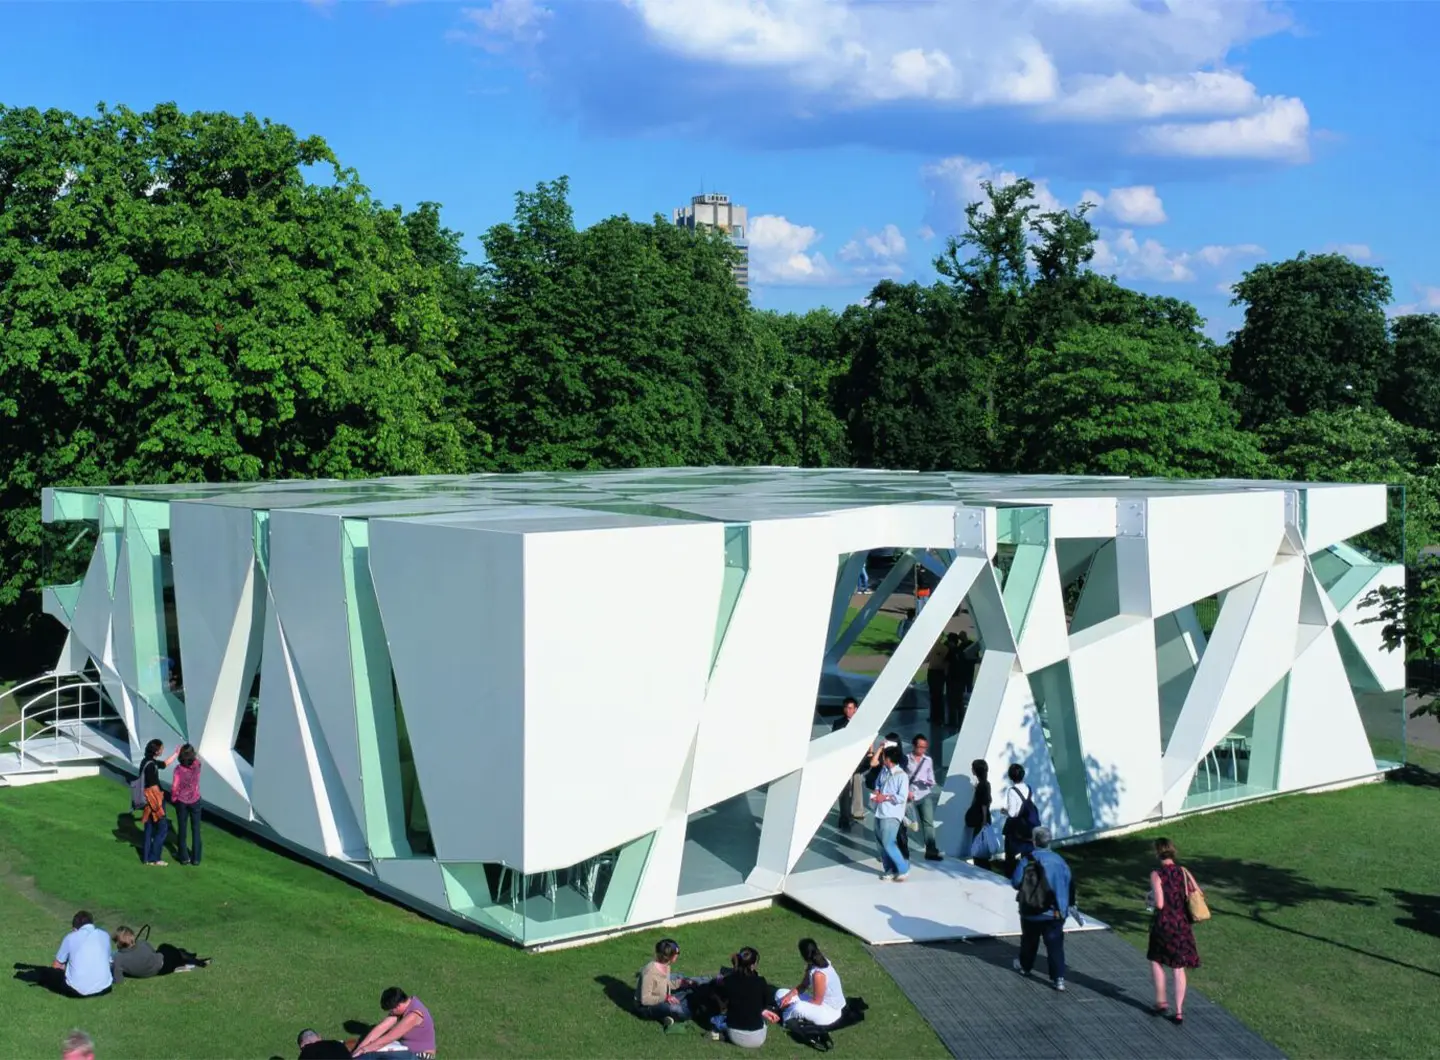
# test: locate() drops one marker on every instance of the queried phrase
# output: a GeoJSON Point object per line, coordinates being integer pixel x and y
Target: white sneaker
{"type": "Point", "coordinates": [902, 877]}
{"type": "Point", "coordinates": [1060, 984]}
{"type": "Point", "coordinates": [886, 877]}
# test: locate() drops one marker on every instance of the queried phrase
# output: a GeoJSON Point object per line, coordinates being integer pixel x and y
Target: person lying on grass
{"type": "Point", "coordinates": [135, 958]}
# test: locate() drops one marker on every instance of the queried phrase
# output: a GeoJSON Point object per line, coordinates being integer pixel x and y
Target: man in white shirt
{"type": "Point", "coordinates": [84, 957]}
{"type": "Point", "coordinates": [1021, 817]}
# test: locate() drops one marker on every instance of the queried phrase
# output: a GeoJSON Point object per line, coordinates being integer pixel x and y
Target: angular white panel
{"type": "Point", "coordinates": [1250, 649]}
{"type": "Point", "coordinates": [1387, 666]}
{"type": "Point", "coordinates": [420, 877]}
{"type": "Point", "coordinates": [452, 601]}
{"type": "Point", "coordinates": [212, 555]}
{"type": "Point", "coordinates": [1323, 739]}
{"type": "Point", "coordinates": [307, 588]}
{"type": "Point", "coordinates": [1018, 738]}
{"type": "Point", "coordinates": [287, 789]}
{"type": "Point", "coordinates": [1201, 545]}
{"type": "Point", "coordinates": [768, 672]}
{"type": "Point", "coordinates": [655, 897]}
{"type": "Point", "coordinates": [1117, 712]}
{"type": "Point", "coordinates": [607, 715]}
{"type": "Point", "coordinates": [1335, 513]}
{"type": "Point", "coordinates": [1045, 638]}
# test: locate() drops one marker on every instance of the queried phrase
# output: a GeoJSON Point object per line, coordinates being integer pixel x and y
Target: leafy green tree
{"type": "Point", "coordinates": [913, 396]}
{"type": "Point", "coordinates": [1115, 400]}
{"type": "Point", "coordinates": [1409, 620]}
{"type": "Point", "coordinates": [1364, 445]}
{"type": "Point", "coordinates": [805, 366]}
{"type": "Point", "coordinates": [178, 302]}
{"type": "Point", "coordinates": [1412, 388]}
{"type": "Point", "coordinates": [1314, 337]}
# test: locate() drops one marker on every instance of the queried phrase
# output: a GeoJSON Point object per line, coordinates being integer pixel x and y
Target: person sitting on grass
{"type": "Point", "coordinates": [660, 991]}
{"type": "Point", "coordinates": [135, 958]}
{"type": "Point", "coordinates": [408, 1025]}
{"type": "Point", "coordinates": [314, 1047]}
{"type": "Point", "coordinates": [819, 998]}
{"type": "Point", "coordinates": [82, 964]}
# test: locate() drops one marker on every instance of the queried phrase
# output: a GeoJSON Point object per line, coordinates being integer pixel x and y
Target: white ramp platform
{"type": "Point", "coordinates": [940, 901]}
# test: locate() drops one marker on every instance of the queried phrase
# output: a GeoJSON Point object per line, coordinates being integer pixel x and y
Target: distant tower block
{"type": "Point", "coordinates": [713, 210]}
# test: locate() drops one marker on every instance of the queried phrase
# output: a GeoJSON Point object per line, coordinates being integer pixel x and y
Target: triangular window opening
{"type": "Point", "coordinates": [417, 821]}
{"type": "Point", "coordinates": [249, 721]}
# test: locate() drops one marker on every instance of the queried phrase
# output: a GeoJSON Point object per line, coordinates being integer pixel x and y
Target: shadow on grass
{"type": "Point", "coordinates": [1422, 912]}
{"type": "Point", "coordinates": [620, 993]}
{"type": "Point", "coordinates": [128, 831]}
{"type": "Point", "coordinates": [1254, 891]}
{"type": "Point", "coordinates": [1416, 776]}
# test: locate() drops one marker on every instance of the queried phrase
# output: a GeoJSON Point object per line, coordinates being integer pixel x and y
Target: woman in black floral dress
{"type": "Point", "coordinates": [1172, 940]}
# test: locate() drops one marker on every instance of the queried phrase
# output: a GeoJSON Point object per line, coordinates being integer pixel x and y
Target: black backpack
{"type": "Point", "coordinates": [1023, 827]}
{"type": "Point", "coordinates": [803, 1032]}
{"type": "Point", "coordinates": [1035, 896]}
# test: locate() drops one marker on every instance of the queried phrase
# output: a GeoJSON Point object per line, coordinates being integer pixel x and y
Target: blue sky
{"type": "Point", "coordinates": [1213, 133]}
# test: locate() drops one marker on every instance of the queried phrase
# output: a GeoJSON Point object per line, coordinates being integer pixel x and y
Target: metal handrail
{"type": "Point", "coordinates": [78, 683]}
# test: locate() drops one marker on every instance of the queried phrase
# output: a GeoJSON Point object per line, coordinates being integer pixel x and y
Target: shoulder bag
{"type": "Point", "coordinates": [1195, 903]}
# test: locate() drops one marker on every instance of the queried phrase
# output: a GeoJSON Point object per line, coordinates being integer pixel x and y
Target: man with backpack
{"type": "Point", "coordinates": [1021, 817]}
{"type": "Point", "coordinates": [1046, 895]}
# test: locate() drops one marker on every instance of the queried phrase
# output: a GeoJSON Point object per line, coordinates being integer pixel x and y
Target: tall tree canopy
{"type": "Point", "coordinates": [1314, 336]}
{"type": "Point", "coordinates": [178, 302]}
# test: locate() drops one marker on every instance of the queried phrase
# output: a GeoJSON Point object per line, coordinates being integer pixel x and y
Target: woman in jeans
{"type": "Point", "coordinates": [157, 825]}
{"type": "Point", "coordinates": [185, 794]}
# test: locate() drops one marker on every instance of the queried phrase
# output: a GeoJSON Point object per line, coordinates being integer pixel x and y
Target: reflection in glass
{"type": "Point", "coordinates": [592, 895]}
{"type": "Point", "coordinates": [1246, 762]}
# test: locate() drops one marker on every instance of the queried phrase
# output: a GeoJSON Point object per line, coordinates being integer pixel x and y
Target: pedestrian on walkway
{"type": "Point", "coordinates": [852, 796]}
{"type": "Point", "coordinates": [921, 770]}
{"type": "Point", "coordinates": [1021, 817]}
{"type": "Point", "coordinates": [891, 793]}
{"type": "Point", "coordinates": [1046, 895]}
{"type": "Point", "coordinates": [935, 683]}
{"type": "Point", "coordinates": [959, 676]}
{"type": "Point", "coordinates": [1172, 939]}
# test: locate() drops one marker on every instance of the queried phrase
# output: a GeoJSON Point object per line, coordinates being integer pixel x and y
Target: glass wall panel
{"type": "Point", "coordinates": [1245, 763]}
{"type": "Point", "coordinates": [1343, 571]}
{"type": "Point", "coordinates": [594, 895]}
{"type": "Point", "coordinates": [1384, 716]}
{"type": "Point", "coordinates": [1055, 699]}
{"type": "Point", "coordinates": [417, 821]}
{"type": "Point", "coordinates": [1177, 657]}
{"type": "Point", "coordinates": [722, 843]}
{"type": "Point", "coordinates": [1022, 535]}
{"type": "Point", "coordinates": [249, 721]}
{"type": "Point", "coordinates": [737, 563]}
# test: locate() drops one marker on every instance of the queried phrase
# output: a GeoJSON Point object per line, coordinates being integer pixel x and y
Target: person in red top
{"type": "Point", "coordinates": [185, 794]}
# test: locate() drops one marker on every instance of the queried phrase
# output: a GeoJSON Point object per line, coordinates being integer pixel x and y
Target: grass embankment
{"type": "Point", "coordinates": [1326, 929]}
{"type": "Point", "coordinates": [295, 947]}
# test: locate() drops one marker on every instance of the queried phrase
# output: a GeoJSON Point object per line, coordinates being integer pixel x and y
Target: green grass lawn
{"type": "Point", "coordinates": [296, 947]}
{"type": "Point", "coordinates": [1326, 929]}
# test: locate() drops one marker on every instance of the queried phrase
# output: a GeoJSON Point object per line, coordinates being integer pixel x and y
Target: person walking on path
{"type": "Point", "coordinates": [1172, 939]}
{"type": "Point", "coordinates": [1021, 817]}
{"type": "Point", "coordinates": [921, 770]}
{"type": "Point", "coordinates": [959, 677]}
{"type": "Point", "coordinates": [1046, 897]}
{"type": "Point", "coordinates": [185, 794]}
{"type": "Point", "coordinates": [892, 792]}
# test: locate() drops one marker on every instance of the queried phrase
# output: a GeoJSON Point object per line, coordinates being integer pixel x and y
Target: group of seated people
{"type": "Point", "coordinates": [406, 1033]}
{"type": "Point", "coordinates": [85, 966]}
{"type": "Point", "coordinates": [737, 1003]}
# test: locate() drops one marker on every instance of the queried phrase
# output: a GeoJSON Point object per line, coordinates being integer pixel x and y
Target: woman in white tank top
{"type": "Point", "coordinates": [819, 998]}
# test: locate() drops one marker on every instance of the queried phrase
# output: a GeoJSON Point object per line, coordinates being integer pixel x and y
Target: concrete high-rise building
{"type": "Point", "coordinates": [713, 210]}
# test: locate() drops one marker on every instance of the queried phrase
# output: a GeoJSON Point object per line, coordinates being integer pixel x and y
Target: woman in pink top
{"type": "Point", "coordinates": [185, 794]}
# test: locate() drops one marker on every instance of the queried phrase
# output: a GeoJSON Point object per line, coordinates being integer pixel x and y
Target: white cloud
{"type": "Point", "coordinates": [783, 253]}
{"type": "Point", "coordinates": [955, 182]}
{"type": "Point", "coordinates": [1202, 93]}
{"type": "Point", "coordinates": [1082, 61]}
{"type": "Point", "coordinates": [502, 23]}
{"type": "Point", "coordinates": [875, 255]}
{"type": "Point", "coordinates": [1121, 254]}
{"type": "Point", "coordinates": [925, 233]}
{"type": "Point", "coordinates": [780, 252]}
{"type": "Point", "coordinates": [1353, 251]}
{"type": "Point", "coordinates": [1427, 301]}
{"type": "Point", "coordinates": [1278, 131]}
{"type": "Point", "coordinates": [1135, 205]}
